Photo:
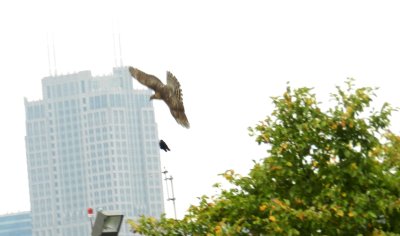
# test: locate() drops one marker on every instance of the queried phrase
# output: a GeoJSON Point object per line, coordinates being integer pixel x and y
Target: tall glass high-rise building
{"type": "Point", "coordinates": [91, 142]}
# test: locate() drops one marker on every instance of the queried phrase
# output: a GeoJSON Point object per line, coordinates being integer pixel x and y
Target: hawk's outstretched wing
{"type": "Point", "coordinates": [150, 81]}
{"type": "Point", "coordinates": [180, 117]}
{"type": "Point", "coordinates": [171, 93]}
{"type": "Point", "coordinates": [175, 101]}
{"type": "Point", "coordinates": [174, 84]}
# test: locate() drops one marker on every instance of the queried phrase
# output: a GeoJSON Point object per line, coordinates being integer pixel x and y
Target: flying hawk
{"type": "Point", "coordinates": [164, 146]}
{"type": "Point", "coordinates": [170, 93]}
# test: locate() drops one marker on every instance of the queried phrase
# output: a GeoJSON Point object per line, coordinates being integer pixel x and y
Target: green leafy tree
{"type": "Point", "coordinates": [332, 172]}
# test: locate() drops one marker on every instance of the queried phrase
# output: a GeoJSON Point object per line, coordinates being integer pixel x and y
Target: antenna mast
{"type": "Point", "coordinates": [54, 57]}
{"type": "Point", "coordinates": [114, 49]}
{"type": "Point", "coordinates": [117, 54]}
{"type": "Point", "coordinates": [48, 53]}
{"type": "Point", "coordinates": [120, 50]}
{"type": "Point", "coordinates": [51, 54]}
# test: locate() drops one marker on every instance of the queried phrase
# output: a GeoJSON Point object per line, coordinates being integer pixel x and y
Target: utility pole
{"type": "Point", "coordinates": [172, 198]}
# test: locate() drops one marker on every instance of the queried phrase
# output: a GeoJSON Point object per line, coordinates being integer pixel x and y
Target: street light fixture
{"type": "Point", "coordinates": [107, 224]}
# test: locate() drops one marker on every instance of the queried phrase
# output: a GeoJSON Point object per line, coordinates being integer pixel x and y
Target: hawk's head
{"type": "Point", "coordinates": [155, 96]}
{"type": "Point", "coordinates": [134, 71]}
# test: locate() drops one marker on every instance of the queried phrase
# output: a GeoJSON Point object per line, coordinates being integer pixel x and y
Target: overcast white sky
{"type": "Point", "coordinates": [229, 56]}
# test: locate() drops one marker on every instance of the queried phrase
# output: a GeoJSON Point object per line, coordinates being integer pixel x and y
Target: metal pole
{"type": "Point", "coordinates": [173, 195]}
{"type": "Point", "coordinates": [90, 215]}
{"type": "Point", "coordinates": [166, 182]}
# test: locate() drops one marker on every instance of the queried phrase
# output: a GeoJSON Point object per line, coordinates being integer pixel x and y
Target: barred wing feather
{"type": "Point", "coordinates": [147, 80]}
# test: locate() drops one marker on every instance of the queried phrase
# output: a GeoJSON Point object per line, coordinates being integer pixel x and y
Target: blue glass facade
{"type": "Point", "coordinates": [18, 224]}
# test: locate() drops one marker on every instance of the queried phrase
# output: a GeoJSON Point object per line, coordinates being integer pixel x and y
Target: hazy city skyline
{"type": "Point", "coordinates": [92, 141]}
{"type": "Point", "coordinates": [229, 57]}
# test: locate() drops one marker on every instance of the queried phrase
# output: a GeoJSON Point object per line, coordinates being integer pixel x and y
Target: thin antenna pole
{"type": "Point", "coordinates": [120, 50]}
{"type": "Point", "coordinates": [54, 56]}
{"type": "Point", "coordinates": [114, 49]}
{"type": "Point", "coordinates": [48, 53]}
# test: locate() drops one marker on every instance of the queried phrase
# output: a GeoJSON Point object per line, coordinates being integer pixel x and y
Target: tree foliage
{"type": "Point", "coordinates": [332, 172]}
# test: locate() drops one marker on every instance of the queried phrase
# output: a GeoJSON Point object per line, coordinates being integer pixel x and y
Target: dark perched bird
{"type": "Point", "coordinates": [170, 93]}
{"type": "Point", "coordinates": [164, 146]}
